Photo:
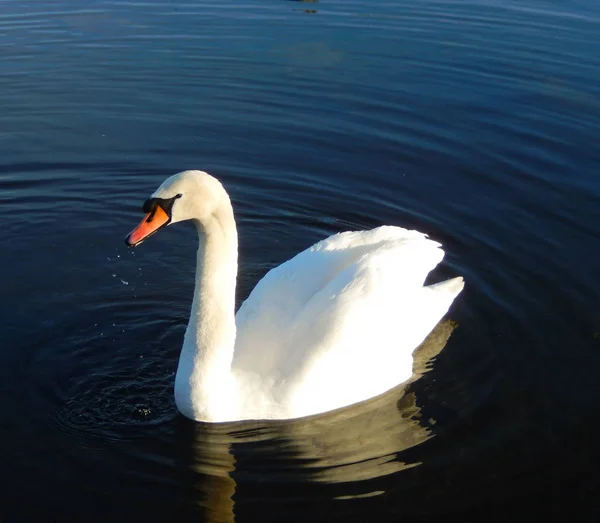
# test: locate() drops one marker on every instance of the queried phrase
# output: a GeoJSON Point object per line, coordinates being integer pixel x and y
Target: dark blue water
{"type": "Point", "coordinates": [475, 122]}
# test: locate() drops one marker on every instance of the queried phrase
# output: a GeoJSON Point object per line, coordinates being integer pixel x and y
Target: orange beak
{"type": "Point", "coordinates": [151, 223]}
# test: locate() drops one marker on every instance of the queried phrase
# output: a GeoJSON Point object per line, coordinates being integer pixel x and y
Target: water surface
{"type": "Point", "coordinates": [474, 122]}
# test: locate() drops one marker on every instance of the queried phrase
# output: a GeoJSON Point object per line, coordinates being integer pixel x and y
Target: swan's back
{"type": "Point", "coordinates": [338, 323]}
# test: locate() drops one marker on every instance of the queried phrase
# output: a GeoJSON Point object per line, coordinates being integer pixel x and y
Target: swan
{"type": "Point", "coordinates": [335, 325]}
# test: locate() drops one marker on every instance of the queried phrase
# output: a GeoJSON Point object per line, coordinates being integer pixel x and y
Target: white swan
{"type": "Point", "coordinates": [335, 325]}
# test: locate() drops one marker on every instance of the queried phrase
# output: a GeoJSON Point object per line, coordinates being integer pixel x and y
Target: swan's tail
{"type": "Point", "coordinates": [439, 296]}
{"type": "Point", "coordinates": [451, 287]}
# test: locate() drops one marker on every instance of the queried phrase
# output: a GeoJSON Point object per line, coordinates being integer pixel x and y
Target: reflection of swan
{"type": "Point", "coordinates": [357, 446]}
{"type": "Point", "coordinates": [368, 440]}
{"type": "Point", "coordinates": [334, 325]}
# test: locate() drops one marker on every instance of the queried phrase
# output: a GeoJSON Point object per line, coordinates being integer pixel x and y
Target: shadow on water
{"type": "Point", "coordinates": [304, 467]}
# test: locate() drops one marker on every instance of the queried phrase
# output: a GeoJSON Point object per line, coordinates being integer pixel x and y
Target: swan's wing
{"type": "Point", "coordinates": [341, 319]}
{"type": "Point", "coordinates": [272, 306]}
{"type": "Point", "coordinates": [355, 338]}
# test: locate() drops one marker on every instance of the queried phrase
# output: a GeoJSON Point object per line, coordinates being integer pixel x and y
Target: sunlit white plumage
{"type": "Point", "coordinates": [335, 325]}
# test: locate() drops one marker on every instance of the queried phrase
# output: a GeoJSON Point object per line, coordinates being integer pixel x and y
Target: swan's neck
{"type": "Point", "coordinates": [204, 385]}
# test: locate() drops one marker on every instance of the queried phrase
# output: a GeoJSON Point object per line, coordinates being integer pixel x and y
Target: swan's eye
{"type": "Point", "coordinates": [149, 205]}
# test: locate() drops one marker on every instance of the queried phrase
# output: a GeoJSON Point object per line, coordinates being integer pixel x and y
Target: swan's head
{"type": "Point", "coordinates": [188, 195]}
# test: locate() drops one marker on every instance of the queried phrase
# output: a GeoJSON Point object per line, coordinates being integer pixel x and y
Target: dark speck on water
{"type": "Point", "coordinates": [474, 122]}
